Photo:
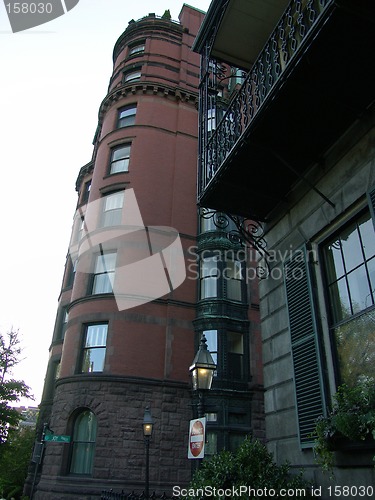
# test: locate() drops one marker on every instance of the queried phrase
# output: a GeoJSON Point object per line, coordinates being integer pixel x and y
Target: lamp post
{"type": "Point", "coordinates": [202, 372]}
{"type": "Point", "coordinates": [147, 426]}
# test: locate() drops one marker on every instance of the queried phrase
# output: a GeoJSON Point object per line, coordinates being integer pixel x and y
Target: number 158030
{"type": "Point", "coordinates": [29, 8]}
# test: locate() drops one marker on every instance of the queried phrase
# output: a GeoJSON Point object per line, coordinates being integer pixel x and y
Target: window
{"type": "Point", "coordinates": [64, 321]}
{"type": "Point", "coordinates": [235, 441]}
{"type": "Point", "coordinates": [235, 355]}
{"type": "Point", "coordinates": [208, 277]}
{"type": "Point", "coordinates": [211, 120]}
{"type": "Point", "coordinates": [61, 323]}
{"type": "Point", "coordinates": [132, 76]}
{"type": "Point", "coordinates": [210, 447]}
{"type": "Point", "coordinates": [57, 370]}
{"type": "Point", "coordinates": [211, 337]}
{"type": "Point", "coordinates": [71, 268]}
{"type": "Point", "coordinates": [211, 417]}
{"type": "Point", "coordinates": [83, 444]}
{"type": "Point", "coordinates": [126, 116]}
{"type": "Point", "coordinates": [136, 49]}
{"type": "Point", "coordinates": [94, 348]}
{"type": "Point", "coordinates": [112, 209]}
{"type": "Point", "coordinates": [349, 259]}
{"type": "Point", "coordinates": [207, 223]}
{"type": "Point", "coordinates": [53, 373]}
{"type": "Point", "coordinates": [104, 273]}
{"type": "Point", "coordinates": [233, 279]}
{"type": "Point", "coordinates": [81, 229]}
{"type": "Point", "coordinates": [120, 159]}
{"type": "Point", "coordinates": [86, 192]}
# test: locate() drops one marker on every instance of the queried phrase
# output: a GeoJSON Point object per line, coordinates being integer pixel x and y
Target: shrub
{"type": "Point", "coordinates": [251, 466]}
{"type": "Point", "coordinates": [352, 417]}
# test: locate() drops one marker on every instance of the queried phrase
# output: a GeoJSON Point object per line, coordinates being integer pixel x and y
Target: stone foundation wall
{"type": "Point", "coordinates": [119, 462]}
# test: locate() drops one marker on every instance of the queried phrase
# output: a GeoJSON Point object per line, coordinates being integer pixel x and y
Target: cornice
{"type": "Point", "coordinates": [80, 378]}
{"type": "Point", "coordinates": [146, 88]}
{"type": "Point", "coordinates": [86, 169]}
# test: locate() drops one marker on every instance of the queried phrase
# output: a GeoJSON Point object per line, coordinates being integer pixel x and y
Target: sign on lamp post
{"type": "Point", "coordinates": [197, 438]}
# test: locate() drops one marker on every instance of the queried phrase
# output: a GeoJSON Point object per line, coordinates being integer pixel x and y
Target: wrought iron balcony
{"type": "Point", "coordinates": [310, 82]}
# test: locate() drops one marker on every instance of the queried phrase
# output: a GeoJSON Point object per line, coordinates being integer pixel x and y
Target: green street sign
{"type": "Point", "coordinates": [56, 438]}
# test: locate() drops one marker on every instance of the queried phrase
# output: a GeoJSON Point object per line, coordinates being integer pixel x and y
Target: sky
{"type": "Point", "coordinates": [52, 80]}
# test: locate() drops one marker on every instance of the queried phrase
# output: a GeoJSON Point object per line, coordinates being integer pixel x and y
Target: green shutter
{"type": "Point", "coordinates": [371, 202]}
{"type": "Point", "coordinates": [305, 348]}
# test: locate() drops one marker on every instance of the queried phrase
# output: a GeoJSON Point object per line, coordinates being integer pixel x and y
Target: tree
{"type": "Point", "coordinates": [11, 390]}
{"type": "Point", "coordinates": [15, 459]}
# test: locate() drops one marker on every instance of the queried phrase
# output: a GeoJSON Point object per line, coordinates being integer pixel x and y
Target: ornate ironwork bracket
{"type": "Point", "coordinates": [247, 231]}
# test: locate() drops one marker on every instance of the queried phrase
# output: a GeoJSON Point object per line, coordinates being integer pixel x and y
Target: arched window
{"type": "Point", "coordinates": [83, 445]}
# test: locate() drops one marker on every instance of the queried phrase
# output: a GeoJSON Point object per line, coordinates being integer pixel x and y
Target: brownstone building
{"type": "Point", "coordinates": [121, 345]}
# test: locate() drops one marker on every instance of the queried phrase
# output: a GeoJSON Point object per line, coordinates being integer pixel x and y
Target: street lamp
{"type": "Point", "coordinates": [202, 372]}
{"type": "Point", "coordinates": [147, 426]}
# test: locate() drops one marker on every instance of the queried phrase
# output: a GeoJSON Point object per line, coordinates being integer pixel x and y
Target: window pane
{"type": "Point", "coordinates": [120, 152]}
{"type": "Point", "coordinates": [105, 263]}
{"type": "Point", "coordinates": [333, 260]}
{"type": "Point", "coordinates": [114, 201]}
{"type": "Point", "coordinates": [209, 273]}
{"type": "Point", "coordinates": [355, 343]}
{"type": "Point", "coordinates": [83, 447]}
{"type": "Point", "coordinates": [112, 218]}
{"type": "Point", "coordinates": [233, 269]}
{"type": "Point", "coordinates": [136, 49]}
{"type": "Point", "coordinates": [339, 300]}
{"type": "Point", "coordinates": [126, 116]}
{"type": "Point", "coordinates": [120, 166]}
{"type": "Point", "coordinates": [82, 458]}
{"type": "Point", "coordinates": [359, 289]}
{"type": "Point", "coordinates": [366, 230]}
{"type": "Point", "coordinates": [135, 75]}
{"type": "Point", "coordinates": [209, 267]}
{"type": "Point", "coordinates": [93, 360]}
{"type": "Point", "coordinates": [211, 337]}
{"type": "Point", "coordinates": [207, 224]}
{"type": "Point", "coordinates": [208, 288]}
{"type": "Point", "coordinates": [233, 277]}
{"type": "Point", "coordinates": [113, 205]}
{"type": "Point", "coordinates": [210, 447]}
{"type": "Point", "coordinates": [235, 355]}
{"type": "Point", "coordinates": [103, 283]}
{"type": "Point", "coordinates": [235, 441]}
{"type": "Point", "coordinates": [235, 342]}
{"type": "Point", "coordinates": [351, 247]}
{"type": "Point", "coordinates": [85, 427]}
{"type": "Point", "coordinates": [96, 335]}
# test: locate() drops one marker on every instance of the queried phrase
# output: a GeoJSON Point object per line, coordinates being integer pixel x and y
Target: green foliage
{"type": "Point", "coordinates": [14, 460]}
{"type": "Point", "coordinates": [11, 390]}
{"type": "Point", "coordinates": [252, 466]}
{"type": "Point", "coordinates": [352, 416]}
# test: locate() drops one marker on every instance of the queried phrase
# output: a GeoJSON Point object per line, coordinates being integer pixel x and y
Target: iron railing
{"type": "Point", "coordinates": [281, 48]}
